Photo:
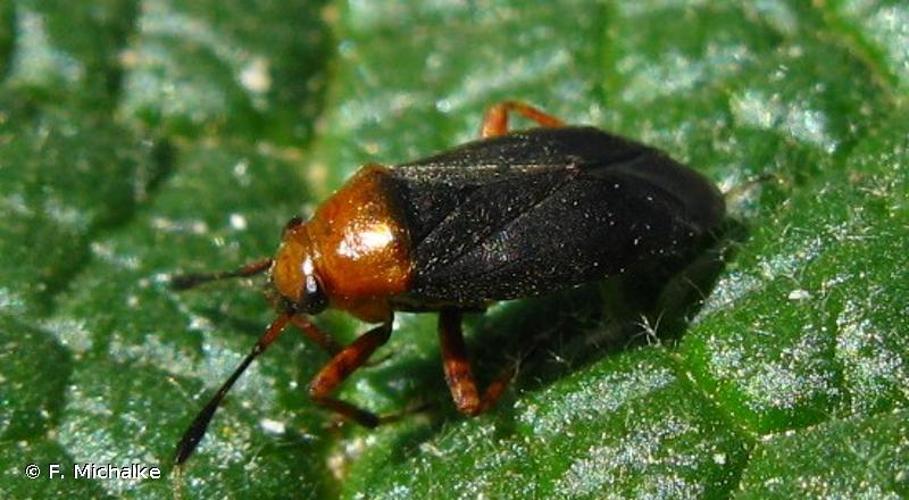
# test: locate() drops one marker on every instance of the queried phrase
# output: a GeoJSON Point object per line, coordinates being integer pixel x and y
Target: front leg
{"type": "Point", "coordinates": [345, 362]}
{"type": "Point", "coordinates": [314, 333]}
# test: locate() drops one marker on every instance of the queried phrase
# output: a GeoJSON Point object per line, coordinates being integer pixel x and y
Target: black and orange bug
{"type": "Point", "coordinates": [510, 215]}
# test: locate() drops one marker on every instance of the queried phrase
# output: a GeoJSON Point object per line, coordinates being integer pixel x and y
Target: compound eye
{"type": "Point", "coordinates": [292, 223]}
{"type": "Point", "coordinates": [312, 298]}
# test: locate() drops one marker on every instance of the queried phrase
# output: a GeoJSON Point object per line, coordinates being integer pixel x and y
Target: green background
{"type": "Point", "coordinates": [142, 138]}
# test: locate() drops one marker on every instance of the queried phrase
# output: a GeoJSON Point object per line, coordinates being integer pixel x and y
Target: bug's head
{"type": "Point", "coordinates": [294, 275]}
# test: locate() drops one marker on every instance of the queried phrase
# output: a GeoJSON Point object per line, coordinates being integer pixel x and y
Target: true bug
{"type": "Point", "coordinates": [510, 215]}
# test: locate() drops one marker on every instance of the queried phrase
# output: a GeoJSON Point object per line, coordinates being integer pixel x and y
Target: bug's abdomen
{"type": "Point", "coordinates": [583, 230]}
{"type": "Point", "coordinates": [506, 228]}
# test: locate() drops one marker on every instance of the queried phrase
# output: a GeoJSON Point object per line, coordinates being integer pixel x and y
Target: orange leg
{"type": "Point", "coordinates": [340, 367]}
{"type": "Point", "coordinates": [324, 340]}
{"type": "Point", "coordinates": [458, 374]}
{"type": "Point", "coordinates": [495, 123]}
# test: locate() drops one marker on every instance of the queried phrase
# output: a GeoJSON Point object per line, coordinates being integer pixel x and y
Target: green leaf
{"type": "Point", "coordinates": [164, 136]}
{"type": "Point", "coordinates": [864, 457]}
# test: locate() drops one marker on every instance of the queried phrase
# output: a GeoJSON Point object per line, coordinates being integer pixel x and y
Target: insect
{"type": "Point", "coordinates": [509, 215]}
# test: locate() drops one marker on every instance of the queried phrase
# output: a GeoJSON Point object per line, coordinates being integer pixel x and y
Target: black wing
{"type": "Point", "coordinates": [537, 211]}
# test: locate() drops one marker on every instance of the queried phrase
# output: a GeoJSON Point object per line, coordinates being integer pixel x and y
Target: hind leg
{"type": "Point", "coordinates": [495, 122]}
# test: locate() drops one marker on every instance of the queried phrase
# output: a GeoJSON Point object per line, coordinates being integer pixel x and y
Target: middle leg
{"type": "Point", "coordinates": [458, 373]}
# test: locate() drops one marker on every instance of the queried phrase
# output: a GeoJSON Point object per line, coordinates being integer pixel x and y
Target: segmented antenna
{"type": "Point", "coordinates": [197, 429]}
{"type": "Point", "coordinates": [190, 280]}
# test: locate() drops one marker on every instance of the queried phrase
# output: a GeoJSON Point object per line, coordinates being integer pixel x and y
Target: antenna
{"type": "Point", "coordinates": [197, 429]}
{"type": "Point", "coordinates": [190, 280]}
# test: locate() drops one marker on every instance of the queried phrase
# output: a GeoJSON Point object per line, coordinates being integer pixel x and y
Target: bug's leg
{"type": "Point", "coordinates": [316, 334]}
{"type": "Point", "coordinates": [340, 367]}
{"type": "Point", "coordinates": [458, 374]}
{"type": "Point", "coordinates": [495, 122]}
{"type": "Point", "coordinates": [190, 280]}
{"type": "Point", "coordinates": [326, 341]}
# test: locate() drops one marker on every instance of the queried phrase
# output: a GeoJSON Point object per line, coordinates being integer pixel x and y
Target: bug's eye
{"type": "Point", "coordinates": [312, 298]}
{"type": "Point", "coordinates": [292, 223]}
